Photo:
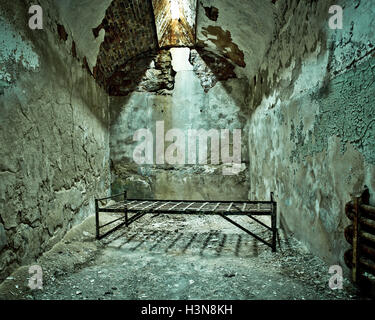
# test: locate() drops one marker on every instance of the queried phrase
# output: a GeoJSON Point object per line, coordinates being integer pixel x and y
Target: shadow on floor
{"type": "Point", "coordinates": [212, 243]}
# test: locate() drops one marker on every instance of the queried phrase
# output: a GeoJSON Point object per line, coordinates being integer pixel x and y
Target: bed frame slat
{"type": "Point", "coordinates": [203, 205]}
{"type": "Point", "coordinates": [176, 205]}
{"type": "Point", "coordinates": [188, 206]}
{"type": "Point", "coordinates": [230, 206]}
{"type": "Point", "coordinates": [136, 205]}
{"type": "Point", "coordinates": [163, 205]}
{"type": "Point", "coordinates": [217, 206]}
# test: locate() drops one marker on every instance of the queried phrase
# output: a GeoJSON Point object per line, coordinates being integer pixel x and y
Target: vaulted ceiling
{"type": "Point", "coordinates": [113, 37]}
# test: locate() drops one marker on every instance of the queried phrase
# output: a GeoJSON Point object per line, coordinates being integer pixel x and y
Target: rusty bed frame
{"type": "Point", "coordinates": [141, 207]}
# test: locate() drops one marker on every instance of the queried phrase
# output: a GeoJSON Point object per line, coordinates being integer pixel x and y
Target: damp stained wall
{"type": "Point", "coordinates": [54, 155]}
{"type": "Point", "coordinates": [312, 132]}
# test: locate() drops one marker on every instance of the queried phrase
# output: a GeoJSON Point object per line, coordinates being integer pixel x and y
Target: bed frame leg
{"type": "Point", "coordinates": [97, 218]}
{"type": "Point", "coordinates": [126, 208]}
{"type": "Point", "coordinates": [274, 222]}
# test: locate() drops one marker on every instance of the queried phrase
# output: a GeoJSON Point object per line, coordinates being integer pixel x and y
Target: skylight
{"type": "Point", "coordinates": [175, 9]}
{"type": "Point", "coordinates": [175, 22]}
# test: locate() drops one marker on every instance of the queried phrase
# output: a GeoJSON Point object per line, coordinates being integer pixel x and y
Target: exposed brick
{"type": "Point", "coordinates": [129, 31]}
{"type": "Point", "coordinates": [148, 72]}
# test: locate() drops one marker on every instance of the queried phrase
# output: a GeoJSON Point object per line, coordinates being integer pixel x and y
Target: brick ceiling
{"type": "Point", "coordinates": [129, 31]}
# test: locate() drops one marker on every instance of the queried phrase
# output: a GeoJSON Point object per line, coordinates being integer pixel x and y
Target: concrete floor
{"type": "Point", "coordinates": [176, 257]}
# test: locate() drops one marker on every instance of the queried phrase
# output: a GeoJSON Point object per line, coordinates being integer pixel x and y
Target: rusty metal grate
{"type": "Point", "coordinates": [361, 235]}
{"type": "Point", "coordinates": [140, 207]}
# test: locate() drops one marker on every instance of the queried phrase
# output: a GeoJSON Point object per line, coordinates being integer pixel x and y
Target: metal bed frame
{"type": "Point", "coordinates": [141, 207]}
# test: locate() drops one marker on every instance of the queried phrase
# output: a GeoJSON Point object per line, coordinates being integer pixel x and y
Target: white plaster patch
{"type": "Point", "coordinates": [270, 102]}
{"type": "Point", "coordinates": [312, 74]}
{"type": "Point", "coordinates": [288, 73]}
{"type": "Point", "coordinates": [317, 207]}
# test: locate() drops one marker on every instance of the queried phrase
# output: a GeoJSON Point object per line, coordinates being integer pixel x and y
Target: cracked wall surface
{"type": "Point", "coordinates": [15, 54]}
{"type": "Point", "coordinates": [312, 134]}
{"type": "Point", "coordinates": [54, 151]}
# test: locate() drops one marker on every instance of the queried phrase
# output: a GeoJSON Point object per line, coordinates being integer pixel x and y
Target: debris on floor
{"type": "Point", "coordinates": [206, 259]}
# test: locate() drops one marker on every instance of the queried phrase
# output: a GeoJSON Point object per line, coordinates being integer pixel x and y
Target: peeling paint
{"type": "Point", "coordinates": [211, 68]}
{"type": "Point", "coordinates": [212, 13]}
{"type": "Point", "coordinates": [224, 44]}
{"type": "Point", "coordinates": [312, 129]}
{"type": "Point", "coordinates": [14, 51]}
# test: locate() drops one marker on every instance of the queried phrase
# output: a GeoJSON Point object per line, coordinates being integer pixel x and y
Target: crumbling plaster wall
{"type": "Point", "coordinates": [81, 18]}
{"type": "Point", "coordinates": [54, 155]}
{"type": "Point", "coordinates": [312, 132]}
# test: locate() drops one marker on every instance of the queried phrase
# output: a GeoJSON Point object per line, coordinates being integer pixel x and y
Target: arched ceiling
{"type": "Point", "coordinates": [108, 34]}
